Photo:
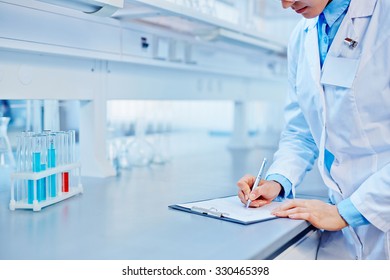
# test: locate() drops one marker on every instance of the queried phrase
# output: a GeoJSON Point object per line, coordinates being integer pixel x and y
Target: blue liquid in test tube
{"type": "Point", "coordinates": [42, 185]}
{"type": "Point", "coordinates": [30, 191]}
{"type": "Point", "coordinates": [51, 163]}
{"type": "Point", "coordinates": [36, 166]}
{"type": "Point", "coordinates": [28, 167]}
{"type": "Point", "coordinates": [42, 190]}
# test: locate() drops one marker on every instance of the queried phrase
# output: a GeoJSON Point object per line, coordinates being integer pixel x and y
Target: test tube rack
{"type": "Point", "coordinates": [35, 176]}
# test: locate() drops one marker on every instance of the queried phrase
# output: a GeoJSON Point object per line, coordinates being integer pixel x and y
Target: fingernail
{"type": "Point", "coordinates": [252, 197]}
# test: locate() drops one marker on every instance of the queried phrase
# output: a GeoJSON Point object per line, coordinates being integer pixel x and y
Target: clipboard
{"type": "Point", "coordinates": [229, 209]}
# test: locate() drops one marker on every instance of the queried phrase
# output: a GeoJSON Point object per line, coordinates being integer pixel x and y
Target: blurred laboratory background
{"type": "Point", "coordinates": [144, 83]}
{"type": "Point", "coordinates": [129, 106]}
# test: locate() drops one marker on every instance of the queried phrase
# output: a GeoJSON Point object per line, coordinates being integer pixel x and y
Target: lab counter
{"type": "Point", "coordinates": [127, 217]}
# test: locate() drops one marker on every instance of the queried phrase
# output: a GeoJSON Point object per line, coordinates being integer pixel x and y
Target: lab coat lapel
{"type": "Point", "coordinates": [347, 29]}
{"type": "Point", "coordinates": [311, 49]}
{"type": "Point", "coordinates": [362, 8]}
{"type": "Point", "coordinates": [312, 59]}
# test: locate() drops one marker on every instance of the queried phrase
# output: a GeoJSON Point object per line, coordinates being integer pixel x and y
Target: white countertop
{"type": "Point", "coordinates": [127, 217]}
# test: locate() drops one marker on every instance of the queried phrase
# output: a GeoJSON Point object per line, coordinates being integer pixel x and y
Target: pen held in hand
{"type": "Point", "coordinates": [258, 179]}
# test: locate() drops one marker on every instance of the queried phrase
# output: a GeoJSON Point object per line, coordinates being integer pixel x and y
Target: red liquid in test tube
{"type": "Point", "coordinates": [65, 182]}
{"type": "Point", "coordinates": [64, 140]}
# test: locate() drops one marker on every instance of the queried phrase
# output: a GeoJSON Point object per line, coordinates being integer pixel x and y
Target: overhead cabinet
{"type": "Point", "coordinates": [96, 7]}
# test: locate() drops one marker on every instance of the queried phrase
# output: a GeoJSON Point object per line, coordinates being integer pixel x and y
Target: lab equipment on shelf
{"type": "Point", "coordinates": [46, 170]}
{"type": "Point", "coordinates": [161, 143]}
{"type": "Point", "coordinates": [6, 157]}
{"type": "Point", "coordinates": [139, 151]}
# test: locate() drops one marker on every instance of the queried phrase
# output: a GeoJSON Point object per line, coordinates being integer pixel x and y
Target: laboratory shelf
{"type": "Point", "coordinates": [204, 26]}
{"type": "Point", "coordinates": [35, 176]}
{"type": "Point", "coordinates": [117, 38]}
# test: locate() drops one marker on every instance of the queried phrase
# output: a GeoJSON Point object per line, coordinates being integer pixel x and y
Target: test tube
{"type": "Point", "coordinates": [18, 183]}
{"type": "Point", "coordinates": [28, 166]}
{"type": "Point", "coordinates": [36, 153]}
{"type": "Point", "coordinates": [36, 163]}
{"type": "Point", "coordinates": [45, 154]}
{"type": "Point", "coordinates": [52, 163]}
{"type": "Point", "coordinates": [28, 185]}
{"type": "Point", "coordinates": [65, 160]}
{"type": "Point", "coordinates": [72, 145]}
{"type": "Point", "coordinates": [42, 185]}
{"type": "Point", "coordinates": [72, 154]}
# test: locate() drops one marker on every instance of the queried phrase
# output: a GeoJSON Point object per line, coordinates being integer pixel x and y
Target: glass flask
{"type": "Point", "coordinates": [122, 159]}
{"type": "Point", "coordinates": [161, 144]}
{"type": "Point", "coordinates": [7, 159]}
{"type": "Point", "coordinates": [140, 152]}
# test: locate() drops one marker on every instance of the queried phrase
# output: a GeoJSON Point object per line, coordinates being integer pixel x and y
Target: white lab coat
{"type": "Point", "coordinates": [344, 108]}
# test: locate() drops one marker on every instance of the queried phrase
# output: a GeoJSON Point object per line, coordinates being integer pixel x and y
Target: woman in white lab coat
{"type": "Point", "coordinates": [339, 112]}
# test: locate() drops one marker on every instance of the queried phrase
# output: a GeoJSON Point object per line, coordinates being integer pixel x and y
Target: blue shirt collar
{"type": "Point", "coordinates": [334, 10]}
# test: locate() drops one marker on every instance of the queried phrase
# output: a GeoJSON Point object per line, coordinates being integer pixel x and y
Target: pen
{"type": "Point", "coordinates": [258, 178]}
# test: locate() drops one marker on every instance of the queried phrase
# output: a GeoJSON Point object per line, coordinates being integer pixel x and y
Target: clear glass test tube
{"type": "Point", "coordinates": [72, 155]}
{"type": "Point", "coordinates": [25, 166]}
{"type": "Point", "coordinates": [42, 183]}
{"type": "Point", "coordinates": [72, 146]}
{"type": "Point", "coordinates": [52, 163]}
{"type": "Point", "coordinates": [58, 141]}
{"type": "Point", "coordinates": [34, 154]}
{"type": "Point", "coordinates": [18, 187]}
{"type": "Point", "coordinates": [28, 166]}
{"type": "Point", "coordinates": [45, 163]}
{"type": "Point", "coordinates": [38, 158]}
{"type": "Point", "coordinates": [65, 160]}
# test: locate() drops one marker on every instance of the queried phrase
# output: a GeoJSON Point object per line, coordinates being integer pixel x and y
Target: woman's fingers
{"type": "Point", "coordinates": [320, 214]}
{"type": "Point", "coordinates": [245, 184]}
{"type": "Point", "coordinates": [293, 203]}
{"type": "Point", "coordinates": [259, 203]}
{"type": "Point", "coordinates": [241, 196]}
{"type": "Point", "coordinates": [289, 212]}
{"type": "Point", "coordinates": [301, 216]}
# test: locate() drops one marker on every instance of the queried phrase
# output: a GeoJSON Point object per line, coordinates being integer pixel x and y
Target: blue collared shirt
{"type": "Point", "coordinates": [328, 24]}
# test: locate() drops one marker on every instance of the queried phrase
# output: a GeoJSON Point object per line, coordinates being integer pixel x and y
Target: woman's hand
{"type": "Point", "coordinates": [264, 194]}
{"type": "Point", "coordinates": [320, 214]}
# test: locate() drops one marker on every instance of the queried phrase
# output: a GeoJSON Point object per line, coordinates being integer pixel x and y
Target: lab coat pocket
{"type": "Point", "coordinates": [339, 71]}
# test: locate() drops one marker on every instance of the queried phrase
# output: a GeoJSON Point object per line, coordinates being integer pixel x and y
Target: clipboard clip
{"type": "Point", "coordinates": [351, 43]}
{"type": "Point", "coordinates": [211, 211]}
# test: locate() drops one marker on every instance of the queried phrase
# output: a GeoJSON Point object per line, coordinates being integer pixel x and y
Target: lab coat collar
{"type": "Point", "coordinates": [360, 8]}
{"type": "Point", "coordinates": [357, 8]}
{"type": "Point", "coordinates": [310, 24]}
